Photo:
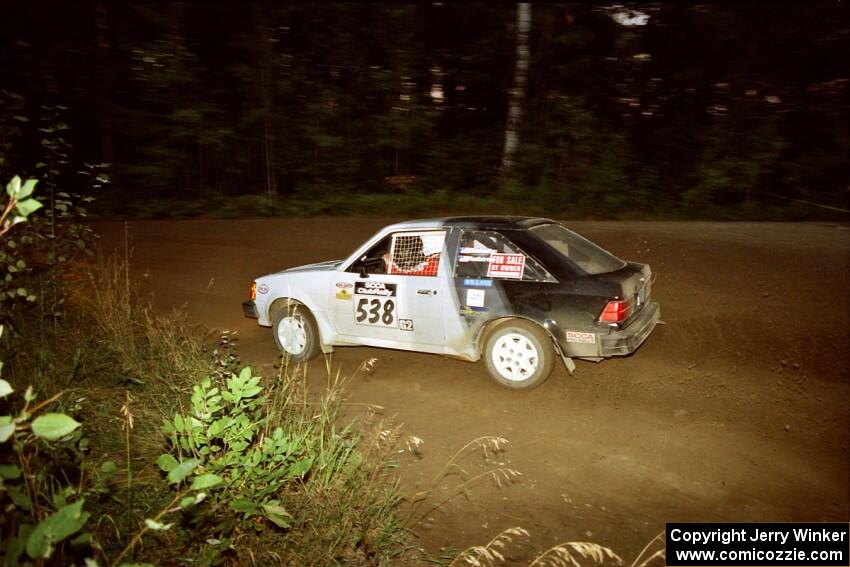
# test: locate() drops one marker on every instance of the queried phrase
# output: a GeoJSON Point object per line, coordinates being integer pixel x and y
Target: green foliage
{"type": "Point", "coordinates": [53, 426]}
{"type": "Point", "coordinates": [43, 257]}
{"type": "Point", "coordinates": [222, 444]}
{"type": "Point", "coordinates": [648, 119]}
{"type": "Point", "coordinates": [20, 205]}
{"type": "Point", "coordinates": [247, 458]}
{"type": "Point", "coordinates": [733, 161]}
{"type": "Point", "coordinates": [61, 236]}
{"type": "Point", "coordinates": [28, 487]}
{"type": "Point", "coordinates": [63, 523]}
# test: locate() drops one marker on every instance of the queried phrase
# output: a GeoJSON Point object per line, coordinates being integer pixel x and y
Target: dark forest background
{"type": "Point", "coordinates": [735, 110]}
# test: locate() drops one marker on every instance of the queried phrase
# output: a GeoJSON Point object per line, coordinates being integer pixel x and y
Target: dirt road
{"type": "Point", "coordinates": [738, 409]}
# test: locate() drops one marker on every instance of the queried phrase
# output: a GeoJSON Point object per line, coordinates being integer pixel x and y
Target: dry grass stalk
{"type": "Point", "coordinates": [127, 422]}
{"type": "Point", "coordinates": [564, 554]}
{"type": "Point", "coordinates": [489, 445]}
{"type": "Point", "coordinates": [366, 367]}
{"type": "Point", "coordinates": [488, 555]}
{"type": "Point", "coordinates": [143, 343]}
{"type": "Point", "coordinates": [658, 554]}
{"type": "Point", "coordinates": [414, 445]}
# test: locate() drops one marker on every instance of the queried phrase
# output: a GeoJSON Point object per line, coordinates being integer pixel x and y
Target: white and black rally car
{"type": "Point", "coordinates": [518, 292]}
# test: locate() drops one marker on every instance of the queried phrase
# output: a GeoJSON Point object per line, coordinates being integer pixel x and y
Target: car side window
{"type": "Point", "coordinates": [405, 254]}
{"type": "Point", "coordinates": [374, 260]}
{"type": "Point", "coordinates": [415, 253]}
{"type": "Point", "coordinates": [488, 254]}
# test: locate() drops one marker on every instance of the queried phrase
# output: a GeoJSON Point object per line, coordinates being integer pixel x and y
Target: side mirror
{"type": "Point", "coordinates": [371, 266]}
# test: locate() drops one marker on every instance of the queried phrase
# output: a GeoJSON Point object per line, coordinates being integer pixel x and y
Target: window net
{"type": "Point", "coordinates": [416, 253]}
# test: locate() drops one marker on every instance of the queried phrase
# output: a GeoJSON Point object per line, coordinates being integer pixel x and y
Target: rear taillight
{"type": "Point", "coordinates": [253, 291]}
{"type": "Point", "coordinates": [616, 311]}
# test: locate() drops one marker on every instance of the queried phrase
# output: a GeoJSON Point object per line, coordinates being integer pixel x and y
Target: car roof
{"type": "Point", "coordinates": [494, 222]}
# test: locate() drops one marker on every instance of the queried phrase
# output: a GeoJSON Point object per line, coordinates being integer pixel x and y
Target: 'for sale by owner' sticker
{"type": "Point", "coordinates": [506, 266]}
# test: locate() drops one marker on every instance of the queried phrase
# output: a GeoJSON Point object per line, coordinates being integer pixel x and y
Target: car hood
{"type": "Point", "coordinates": [317, 267]}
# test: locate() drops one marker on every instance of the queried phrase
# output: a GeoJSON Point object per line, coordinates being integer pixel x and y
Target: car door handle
{"type": "Point", "coordinates": [426, 291]}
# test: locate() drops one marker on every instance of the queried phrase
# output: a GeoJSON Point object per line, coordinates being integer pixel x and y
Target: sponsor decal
{"type": "Point", "coordinates": [467, 311]}
{"type": "Point", "coordinates": [475, 297]}
{"type": "Point", "coordinates": [262, 288]}
{"type": "Point", "coordinates": [344, 294]}
{"type": "Point", "coordinates": [381, 289]}
{"type": "Point", "coordinates": [475, 282]}
{"type": "Point", "coordinates": [473, 254]}
{"type": "Point", "coordinates": [344, 285]}
{"type": "Point", "coordinates": [579, 337]}
{"type": "Point", "coordinates": [405, 324]}
{"type": "Point", "coordinates": [473, 258]}
{"type": "Point", "coordinates": [506, 266]}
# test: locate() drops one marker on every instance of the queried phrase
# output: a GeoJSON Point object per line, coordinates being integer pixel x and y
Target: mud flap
{"type": "Point", "coordinates": [568, 362]}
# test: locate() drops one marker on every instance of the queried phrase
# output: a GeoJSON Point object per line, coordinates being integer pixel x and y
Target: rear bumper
{"type": "Point", "coordinates": [627, 340]}
{"type": "Point", "coordinates": [249, 309]}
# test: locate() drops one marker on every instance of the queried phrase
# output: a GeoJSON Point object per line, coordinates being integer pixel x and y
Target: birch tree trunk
{"type": "Point", "coordinates": [523, 24]}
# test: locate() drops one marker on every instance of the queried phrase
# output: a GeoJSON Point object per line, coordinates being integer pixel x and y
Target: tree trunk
{"type": "Point", "coordinates": [271, 179]}
{"type": "Point", "coordinates": [523, 22]}
{"type": "Point", "coordinates": [266, 56]}
{"type": "Point", "coordinates": [104, 83]}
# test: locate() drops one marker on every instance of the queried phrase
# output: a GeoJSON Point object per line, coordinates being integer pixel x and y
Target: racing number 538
{"type": "Point", "coordinates": [374, 311]}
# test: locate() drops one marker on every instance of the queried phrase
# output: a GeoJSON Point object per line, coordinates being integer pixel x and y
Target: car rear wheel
{"type": "Point", "coordinates": [519, 355]}
{"type": "Point", "coordinates": [295, 331]}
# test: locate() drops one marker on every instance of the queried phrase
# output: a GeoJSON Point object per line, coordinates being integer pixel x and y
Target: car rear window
{"type": "Point", "coordinates": [591, 258]}
{"type": "Point", "coordinates": [488, 254]}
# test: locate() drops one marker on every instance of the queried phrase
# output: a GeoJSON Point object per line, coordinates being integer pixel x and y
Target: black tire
{"type": "Point", "coordinates": [519, 355]}
{"type": "Point", "coordinates": [295, 331]}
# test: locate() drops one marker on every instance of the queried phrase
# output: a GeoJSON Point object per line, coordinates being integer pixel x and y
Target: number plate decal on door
{"type": "Point", "coordinates": [375, 303]}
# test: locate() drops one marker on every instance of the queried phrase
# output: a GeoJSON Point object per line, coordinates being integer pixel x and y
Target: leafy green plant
{"type": "Point", "coordinates": [38, 523]}
{"type": "Point", "coordinates": [261, 461]}
{"type": "Point", "coordinates": [189, 494]}
{"type": "Point", "coordinates": [19, 206]}
{"type": "Point", "coordinates": [62, 236]}
{"type": "Point", "coordinates": [278, 472]}
{"type": "Point", "coordinates": [224, 434]}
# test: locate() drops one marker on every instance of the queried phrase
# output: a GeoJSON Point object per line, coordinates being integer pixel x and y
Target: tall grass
{"type": "Point", "coordinates": [162, 350]}
{"type": "Point", "coordinates": [127, 366]}
{"type": "Point", "coordinates": [344, 511]}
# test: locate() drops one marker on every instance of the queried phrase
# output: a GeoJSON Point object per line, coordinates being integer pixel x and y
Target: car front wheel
{"type": "Point", "coordinates": [295, 331]}
{"type": "Point", "coordinates": [519, 355]}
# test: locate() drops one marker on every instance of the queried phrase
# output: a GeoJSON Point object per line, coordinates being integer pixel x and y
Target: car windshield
{"type": "Point", "coordinates": [588, 256]}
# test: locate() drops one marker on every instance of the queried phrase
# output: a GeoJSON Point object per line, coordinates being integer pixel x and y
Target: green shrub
{"type": "Point", "coordinates": [42, 508]}
{"type": "Point", "coordinates": [225, 433]}
{"type": "Point", "coordinates": [273, 462]}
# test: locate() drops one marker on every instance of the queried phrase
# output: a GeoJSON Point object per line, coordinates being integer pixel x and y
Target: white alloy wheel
{"type": "Point", "coordinates": [295, 330]}
{"type": "Point", "coordinates": [519, 354]}
{"type": "Point", "coordinates": [291, 335]}
{"type": "Point", "coordinates": [515, 357]}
